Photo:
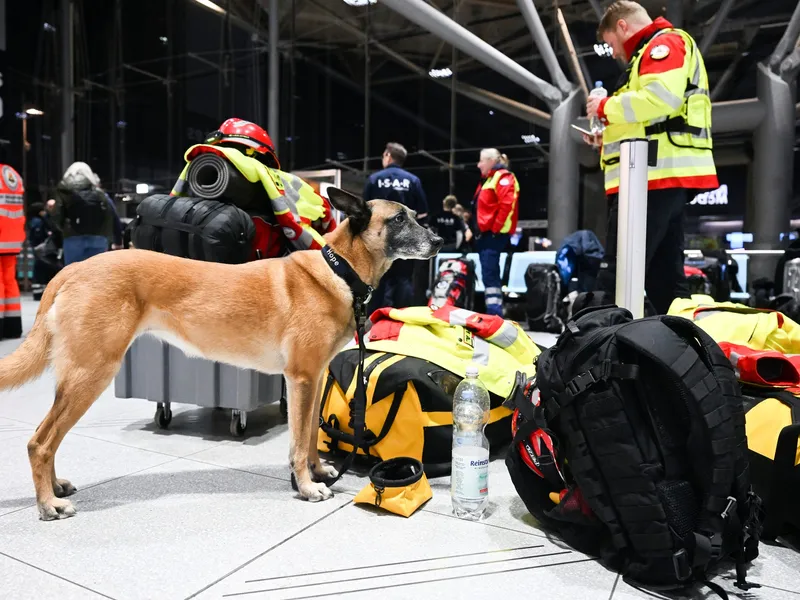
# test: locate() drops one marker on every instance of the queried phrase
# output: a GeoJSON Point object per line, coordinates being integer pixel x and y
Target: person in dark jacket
{"type": "Point", "coordinates": [396, 289]}
{"type": "Point", "coordinates": [85, 214]}
{"type": "Point", "coordinates": [45, 240]}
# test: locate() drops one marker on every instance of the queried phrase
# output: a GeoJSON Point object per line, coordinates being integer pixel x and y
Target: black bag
{"type": "Point", "coordinates": [191, 228]}
{"type": "Point", "coordinates": [649, 427]}
{"type": "Point", "coordinates": [87, 210]}
{"type": "Point", "coordinates": [543, 298]}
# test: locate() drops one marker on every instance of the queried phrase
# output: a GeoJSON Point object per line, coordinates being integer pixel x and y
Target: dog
{"type": "Point", "coordinates": [287, 315]}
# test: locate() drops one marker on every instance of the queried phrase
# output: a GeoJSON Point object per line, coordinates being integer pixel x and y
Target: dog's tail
{"type": "Point", "coordinates": [32, 356]}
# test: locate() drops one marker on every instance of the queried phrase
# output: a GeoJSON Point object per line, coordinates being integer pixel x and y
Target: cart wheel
{"type": "Point", "coordinates": [163, 415]}
{"type": "Point", "coordinates": [238, 422]}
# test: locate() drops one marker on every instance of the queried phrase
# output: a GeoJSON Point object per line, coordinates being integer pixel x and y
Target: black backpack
{"type": "Point", "coordinates": [648, 427]}
{"type": "Point", "coordinates": [543, 298]}
{"type": "Point", "coordinates": [87, 210]}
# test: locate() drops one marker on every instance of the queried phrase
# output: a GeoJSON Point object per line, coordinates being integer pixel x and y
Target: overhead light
{"type": "Point", "coordinates": [603, 49]}
{"type": "Point", "coordinates": [34, 112]}
{"type": "Point", "coordinates": [359, 2]}
{"type": "Point", "coordinates": [441, 73]}
{"type": "Point", "coordinates": [142, 188]}
{"type": "Point", "coordinates": [529, 138]}
{"type": "Point", "coordinates": [212, 6]}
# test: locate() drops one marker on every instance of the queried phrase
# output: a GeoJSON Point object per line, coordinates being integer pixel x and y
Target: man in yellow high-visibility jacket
{"type": "Point", "coordinates": [662, 96]}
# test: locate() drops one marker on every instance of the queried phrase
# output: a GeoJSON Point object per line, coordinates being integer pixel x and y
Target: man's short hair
{"type": "Point", "coordinates": [449, 202]}
{"type": "Point", "coordinates": [397, 152]}
{"type": "Point", "coordinates": [621, 9]}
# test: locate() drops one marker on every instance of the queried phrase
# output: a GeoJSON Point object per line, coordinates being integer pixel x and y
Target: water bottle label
{"type": "Point", "coordinates": [470, 473]}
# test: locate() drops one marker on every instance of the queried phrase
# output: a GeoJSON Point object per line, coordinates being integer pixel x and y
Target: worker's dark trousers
{"type": "Point", "coordinates": [664, 279]}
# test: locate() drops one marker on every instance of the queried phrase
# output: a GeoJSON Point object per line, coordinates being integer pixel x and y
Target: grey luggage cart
{"type": "Point", "coordinates": [157, 371]}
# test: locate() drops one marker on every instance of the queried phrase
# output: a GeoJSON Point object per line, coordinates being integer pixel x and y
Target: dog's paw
{"type": "Point", "coordinates": [56, 509]}
{"type": "Point", "coordinates": [63, 488]}
{"type": "Point", "coordinates": [316, 492]}
{"type": "Point", "coordinates": [323, 473]}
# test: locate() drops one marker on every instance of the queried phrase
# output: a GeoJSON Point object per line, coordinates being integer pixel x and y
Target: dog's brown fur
{"type": "Point", "coordinates": [289, 315]}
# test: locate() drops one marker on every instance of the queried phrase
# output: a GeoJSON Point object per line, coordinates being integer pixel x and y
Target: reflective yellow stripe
{"type": "Point", "coordinates": [662, 93]}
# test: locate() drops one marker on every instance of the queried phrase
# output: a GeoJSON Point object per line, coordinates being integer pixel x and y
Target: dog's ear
{"type": "Point", "coordinates": [355, 208]}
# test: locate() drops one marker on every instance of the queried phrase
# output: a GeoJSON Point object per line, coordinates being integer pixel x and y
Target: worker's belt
{"type": "Point", "coordinates": [673, 125]}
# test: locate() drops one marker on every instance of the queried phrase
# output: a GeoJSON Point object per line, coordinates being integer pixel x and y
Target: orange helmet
{"type": "Point", "coordinates": [244, 133]}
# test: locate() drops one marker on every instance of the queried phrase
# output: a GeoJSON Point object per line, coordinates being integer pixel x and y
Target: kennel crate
{"type": "Point", "coordinates": [159, 372]}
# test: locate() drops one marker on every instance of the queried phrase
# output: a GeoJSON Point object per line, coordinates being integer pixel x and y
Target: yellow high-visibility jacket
{"type": "Point", "coordinates": [666, 100]}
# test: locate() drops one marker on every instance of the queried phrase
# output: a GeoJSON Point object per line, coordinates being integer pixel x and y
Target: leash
{"type": "Point", "coordinates": [362, 294]}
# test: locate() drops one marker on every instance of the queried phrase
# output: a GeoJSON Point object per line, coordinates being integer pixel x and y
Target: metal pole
{"type": "Point", "coordinates": [576, 67]}
{"type": "Point", "coordinates": [534, 23]}
{"type": "Point", "coordinates": [272, 95]}
{"type": "Point", "coordinates": [453, 120]}
{"type": "Point", "coordinates": [675, 12]}
{"type": "Point", "coordinates": [563, 171]}
{"type": "Point", "coordinates": [366, 93]}
{"type": "Point", "coordinates": [632, 226]}
{"type": "Point", "coordinates": [427, 17]}
{"type": "Point", "coordinates": [719, 18]}
{"type": "Point", "coordinates": [67, 84]}
{"type": "Point", "coordinates": [787, 41]}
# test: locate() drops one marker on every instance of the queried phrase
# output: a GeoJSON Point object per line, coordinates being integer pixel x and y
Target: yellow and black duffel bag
{"type": "Point", "coordinates": [409, 409]}
{"type": "Point", "coordinates": [773, 437]}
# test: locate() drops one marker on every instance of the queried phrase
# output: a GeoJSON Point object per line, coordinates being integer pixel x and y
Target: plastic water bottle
{"type": "Point", "coordinates": [598, 92]}
{"type": "Point", "coordinates": [469, 480]}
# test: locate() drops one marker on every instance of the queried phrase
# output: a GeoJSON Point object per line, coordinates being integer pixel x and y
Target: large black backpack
{"type": "Point", "coordinates": [543, 298]}
{"type": "Point", "coordinates": [648, 431]}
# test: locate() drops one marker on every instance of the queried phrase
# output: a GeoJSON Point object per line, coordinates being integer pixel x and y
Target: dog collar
{"type": "Point", "coordinates": [362, 293]}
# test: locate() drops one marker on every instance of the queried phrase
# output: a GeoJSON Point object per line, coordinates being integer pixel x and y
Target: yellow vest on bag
{"type": "Point", "coordinates": [683, 136]}
{"type": "Point", "coordinates": [740, 324]}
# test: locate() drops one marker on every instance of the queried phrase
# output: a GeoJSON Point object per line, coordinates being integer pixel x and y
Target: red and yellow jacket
{"type": "Point", "coordinates": [12, 211]}
{"type": "Point", "coordinates": [496, 200]}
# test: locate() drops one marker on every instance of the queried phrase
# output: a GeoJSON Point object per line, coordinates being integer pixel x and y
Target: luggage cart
{"type": "Point", "coordinates": [159, 372]}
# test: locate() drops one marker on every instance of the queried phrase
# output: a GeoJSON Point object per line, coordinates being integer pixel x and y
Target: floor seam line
{"type": "Point", "coordinates": [270, 549]}
{"type": "Point", "coordinates": [203, 462]}
{"type": "Point", "coordinates": [73, 432]}
{"type": "Point", "coordinates": [614, 588]}
{"type": "Point", "coordinates": [56, 576]}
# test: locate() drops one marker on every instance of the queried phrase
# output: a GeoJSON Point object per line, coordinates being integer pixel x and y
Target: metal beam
{"type": "Point", "coordinates": [790, 66]}
{"type": "Point", "coordinates": [563, 171]}
{"type": "Point", "coordinates": [273, 96]}
{"type": "Point", "coordinates": [67, 84]}
{"type": "Point", "coordinates": [711, 33]}
{"type": "Point", "coordinates": [597, 8]}
{"type": "Point", "coordinates": [511, 107]}
{"type": "Point", "coordinates": [534, 23]}
{"type": "Point", "coordinates": [787, 41]}
{"type": "Point", "coordinates": [573, 56]}
{"type": "Point", "coordinates": [426, 16]}
{"type": "Point", "coordinates": [737, 115]}
{"type": "Point", "coordinates": [675, 12]}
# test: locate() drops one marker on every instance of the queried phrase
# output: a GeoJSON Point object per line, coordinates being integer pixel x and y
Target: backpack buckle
{"type": "Point", "coordinates": [580, 383]}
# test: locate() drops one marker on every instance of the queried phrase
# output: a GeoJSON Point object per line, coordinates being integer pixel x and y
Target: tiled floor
{"type": "Point", "coordinates": [193, 513]}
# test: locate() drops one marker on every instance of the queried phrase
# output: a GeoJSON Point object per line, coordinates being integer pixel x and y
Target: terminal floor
{"type": "Point", "coordinates": [194, 513]}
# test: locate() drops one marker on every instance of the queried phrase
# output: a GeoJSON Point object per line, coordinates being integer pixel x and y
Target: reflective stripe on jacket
{"type": "Point", "coordinates": [453, 338]}
{"type": "Point", "coordinates": [497, 208]}
{"type": "Point", "coordinates": [665, 99]}
{"type": "Point", "coordinates": [303, 215]}
{"type": "Point", "coordinates": [12, 211]}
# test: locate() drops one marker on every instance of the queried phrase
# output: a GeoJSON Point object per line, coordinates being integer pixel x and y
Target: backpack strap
{"type": "Point", "coordinates": [667, 342]}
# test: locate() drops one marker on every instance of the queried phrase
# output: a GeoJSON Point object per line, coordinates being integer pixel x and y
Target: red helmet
{"type": "Point", "coordinates": [245, 133]}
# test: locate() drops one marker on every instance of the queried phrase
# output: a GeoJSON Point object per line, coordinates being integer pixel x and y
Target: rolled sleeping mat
{"type": "Point", "coordinates": [212, 177]}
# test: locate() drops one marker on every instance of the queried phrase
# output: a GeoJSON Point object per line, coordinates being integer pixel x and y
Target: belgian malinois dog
{"type": "Point", "coordinates": [287, 315]}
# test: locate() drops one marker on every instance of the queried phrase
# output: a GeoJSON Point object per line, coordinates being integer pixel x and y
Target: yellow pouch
{"type": "Point", "coordinates": [398, 485]}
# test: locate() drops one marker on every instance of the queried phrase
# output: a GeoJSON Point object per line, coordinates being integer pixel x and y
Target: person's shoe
{"type": "Point", "coordinates": [12, 328]}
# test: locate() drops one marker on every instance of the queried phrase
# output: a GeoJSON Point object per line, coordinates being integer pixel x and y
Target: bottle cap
{"type": "Point", "coordinates": [472, 371]}
{"type": "Point", "coordinates": [598, 84]}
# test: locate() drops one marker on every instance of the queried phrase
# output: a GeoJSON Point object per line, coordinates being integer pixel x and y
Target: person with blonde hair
{"type": "Point", "coordinates": [662, 96]}
{"type": "Point", "coordinates": [496, 211]}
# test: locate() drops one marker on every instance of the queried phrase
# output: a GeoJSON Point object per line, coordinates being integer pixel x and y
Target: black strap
{"type": "Point", "coordinates": [358, 408]}
{"type": "Point", "coordinates": [673, 125]}
{"type": "Point", "coordinates": [583, 381]}
{"type": "Point", "coordinates": [779, 502]}
{"type": "Point", "coordinates": [362, 293]}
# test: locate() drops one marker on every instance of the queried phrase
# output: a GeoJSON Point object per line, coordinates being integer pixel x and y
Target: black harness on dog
{"type": "Point", "coordinates": [362, 293]}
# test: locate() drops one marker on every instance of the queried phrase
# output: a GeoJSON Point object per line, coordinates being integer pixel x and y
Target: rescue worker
{"type": "Point", "coordinates": [12, 235]}
{"type": "Point", "coordinates": [396, 289]}
{"type": "Point", "coordinates": [662, 96]}
{"type": "Point", "coordinates": [450, 226]}
{"type": "Point", "coordinates": [496, 211]}
{"type": "Point", "coordinates": [298, 216]}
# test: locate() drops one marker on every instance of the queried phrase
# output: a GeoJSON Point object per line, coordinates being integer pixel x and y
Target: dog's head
{"type": "Point", "coordinates": [388, 229]}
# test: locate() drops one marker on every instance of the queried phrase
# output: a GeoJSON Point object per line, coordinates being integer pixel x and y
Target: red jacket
{"type": "Point", "coordinates": [493, 207]}
{"type": "Point", "coordinates": [12, 211]}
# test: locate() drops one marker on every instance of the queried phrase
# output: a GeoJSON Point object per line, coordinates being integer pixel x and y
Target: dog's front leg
{"type": "Point", "coordinates": [302, 391]}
